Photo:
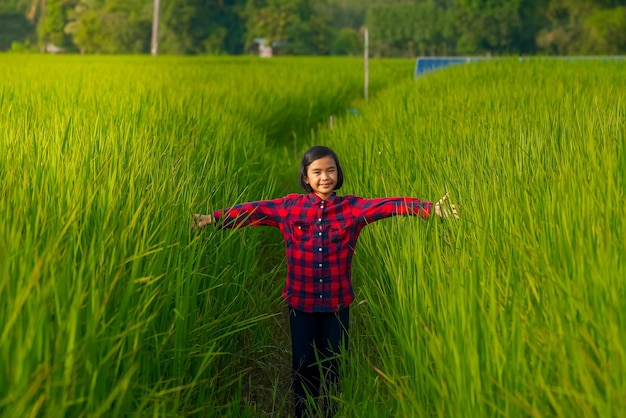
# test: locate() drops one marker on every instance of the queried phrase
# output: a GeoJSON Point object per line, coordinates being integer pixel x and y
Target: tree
{"type": "Point", "coordinates": [269, 19]}
{"type": "Point", "coordinates": [54, 17]}
{"type": "Point", "coordinates": [347, 42]}
{"type": "Point", "coordinates": [607, 31]}
{"type": "Point", "coordinates": [299, 26]}
{"type": "Point", "coordinates": [488, 26]}
{"type": "Point", "coordinates": [565, 31]}
{"type": "Point", "coordinates": [14, 27]}
{"type": "Point", "coordinates": [85, 26]}
{"type": "Point", "coordinates": [424, 27]}
{"type": "Point", "coordinates": [200, 26]}
{"type": "Point", "coordinates": [110, 26]}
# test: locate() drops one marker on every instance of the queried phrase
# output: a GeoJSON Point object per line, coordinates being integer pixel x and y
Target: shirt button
{"type": "Point", "coordinates": [319, 219]}
{"type": "Point", "coordinates": [320, 249]}
{"type": "Point", "coordinates": [320, 264]}
{"type": "Point", "coordinates": [320, 296]}
{"type": "Point", "coordinates": [320, 234]}
{"type": "Point", "coordinates": [321, 280]}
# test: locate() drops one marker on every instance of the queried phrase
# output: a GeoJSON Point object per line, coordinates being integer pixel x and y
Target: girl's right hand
{"type": "Point", "coordinates": [200, 221]}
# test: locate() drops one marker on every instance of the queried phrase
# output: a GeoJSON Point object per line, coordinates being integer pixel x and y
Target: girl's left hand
{"type": "Point", "coordinates": [442, 211]}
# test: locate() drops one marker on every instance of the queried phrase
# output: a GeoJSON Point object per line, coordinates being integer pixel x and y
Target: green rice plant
{"type": "Point", "coordinates": [517, 309]}
{"type": "Point", "coordinates": [111, 306]}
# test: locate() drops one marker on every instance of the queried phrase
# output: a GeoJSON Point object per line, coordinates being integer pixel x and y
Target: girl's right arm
{"type": "Point", "coordinates": [262, 212]}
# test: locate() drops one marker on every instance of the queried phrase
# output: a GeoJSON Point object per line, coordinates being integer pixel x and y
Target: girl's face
{"type": "Point", "coordinates": [321, 175]}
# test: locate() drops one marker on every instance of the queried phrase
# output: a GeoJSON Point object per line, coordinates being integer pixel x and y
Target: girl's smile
{"type": "Point", "coordinates": [321, 175]}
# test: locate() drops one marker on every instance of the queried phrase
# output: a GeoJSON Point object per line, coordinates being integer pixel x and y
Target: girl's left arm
{"type": "Point", "coordinates": [371, 210]}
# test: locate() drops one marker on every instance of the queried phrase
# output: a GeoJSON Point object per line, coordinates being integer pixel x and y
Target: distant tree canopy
{"type": "Point", "coordinates": [397, 28]}
{"type": "Point", "coordinates": [14, 26]}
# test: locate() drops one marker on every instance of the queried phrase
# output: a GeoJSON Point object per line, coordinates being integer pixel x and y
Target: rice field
{"type": "Point", "coordinates": [111, 306]}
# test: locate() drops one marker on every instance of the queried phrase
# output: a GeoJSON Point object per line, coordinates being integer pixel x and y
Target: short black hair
{"type": "Point", "coordinates": [315, 153]}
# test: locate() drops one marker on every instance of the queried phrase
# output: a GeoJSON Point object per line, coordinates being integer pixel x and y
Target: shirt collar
{"type": "Point", "coordinates": [316, 199]}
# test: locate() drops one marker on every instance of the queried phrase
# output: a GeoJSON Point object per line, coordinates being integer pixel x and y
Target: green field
{"type": "Point", "coordinates": [111, 306]}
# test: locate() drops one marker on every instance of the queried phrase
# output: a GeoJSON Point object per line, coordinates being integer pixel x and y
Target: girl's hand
{"type": "Point", "coordinates": [442, 211]}
{"type": "Point", "coordinates": [200, 221]}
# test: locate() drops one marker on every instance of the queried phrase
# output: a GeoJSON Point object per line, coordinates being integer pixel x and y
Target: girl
{"type": "Point", "coordinates": [320, 230]}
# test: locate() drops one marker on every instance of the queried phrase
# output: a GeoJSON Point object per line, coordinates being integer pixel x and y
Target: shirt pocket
{"type": "Point", "coordinates": [301, 231]}
{"type": "Point", "coordinates": [339, 232]}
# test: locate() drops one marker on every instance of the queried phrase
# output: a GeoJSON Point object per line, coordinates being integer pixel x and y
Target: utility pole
{"type": "Point", "coordinates": [366, 55]}
{"type": "Point", "coordinates": [155, 29]}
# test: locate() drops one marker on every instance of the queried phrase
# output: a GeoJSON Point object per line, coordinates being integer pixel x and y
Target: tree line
{"type": "Point", "coordinates": [397, 28]}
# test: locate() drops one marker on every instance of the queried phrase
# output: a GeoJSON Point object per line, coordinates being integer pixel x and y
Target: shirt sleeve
{"type": "Point", "coordinates": [371, 210]}
{"type": "Point", "coordinates": [259, 213]}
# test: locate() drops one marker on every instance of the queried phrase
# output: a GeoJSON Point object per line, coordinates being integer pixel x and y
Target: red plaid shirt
{"type": "Point", "coordinates": [320, 238]}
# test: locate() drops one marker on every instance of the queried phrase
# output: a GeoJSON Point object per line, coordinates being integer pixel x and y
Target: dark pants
{"type": "Point", "coordinates": [317, 340]}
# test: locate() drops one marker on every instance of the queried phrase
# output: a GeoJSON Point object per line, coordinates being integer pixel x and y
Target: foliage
{"type": "Point", "coordinates": [52, 23]}
{"type": "Point", "coordinates": [347, 42]}
{"type": "Point", "coordinates": [14, 27]}
{"type": "Point", "coordinates": [607, 30]}
{"type": "Point", "coordinates": [299, 27]}
{"type": "Point", "coordinates": [489, 26]}
{"type": "Point", "coordinates": [418, 29]}
{"type": "Point", "coordinates": [312, 27]}
{"type": "Point", "coordinates": [566, 32]}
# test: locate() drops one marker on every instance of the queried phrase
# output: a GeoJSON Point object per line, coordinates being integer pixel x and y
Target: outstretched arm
{"type": "Point", "coordinates": [259, 213]}
{"type": "Point", "coordinates": [371, 210]}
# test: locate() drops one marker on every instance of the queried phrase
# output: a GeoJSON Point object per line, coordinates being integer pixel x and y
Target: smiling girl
{"type": "Point", "coordinates": [320, 230]}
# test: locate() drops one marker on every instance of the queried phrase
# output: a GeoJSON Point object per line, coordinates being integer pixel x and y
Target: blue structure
{"type": "Point", "coordinates": [424, 65]}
